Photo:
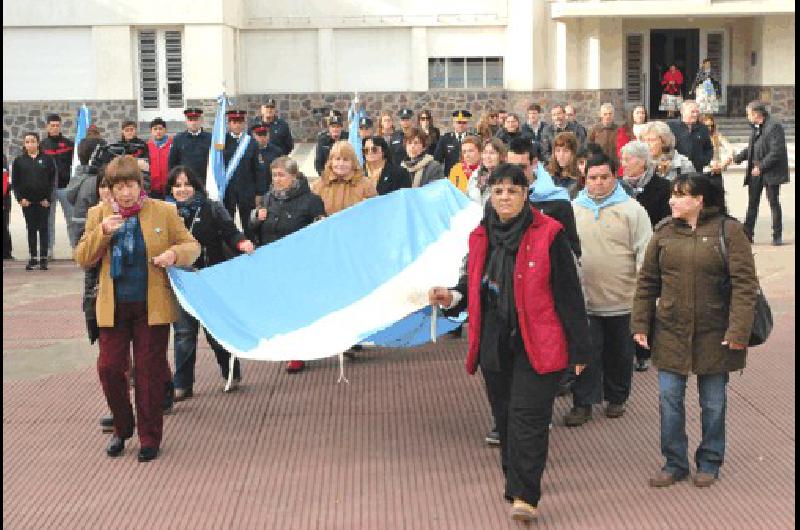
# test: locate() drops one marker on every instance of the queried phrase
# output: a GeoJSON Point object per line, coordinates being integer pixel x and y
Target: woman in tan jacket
{"type": "Point", "coordinates": [343, 182]}
{"type": "Point", "coordinates": [134, 239]}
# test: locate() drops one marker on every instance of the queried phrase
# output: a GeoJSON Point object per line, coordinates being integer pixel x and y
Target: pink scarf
{"type": "Point", "coordinates": [131, 210]}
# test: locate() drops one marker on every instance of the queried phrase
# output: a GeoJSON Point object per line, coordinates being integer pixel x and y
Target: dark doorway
{"type": "Point", "coordinates": [681, 46]}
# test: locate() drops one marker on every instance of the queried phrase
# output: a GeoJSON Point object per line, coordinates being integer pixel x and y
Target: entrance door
{"type": "Point", "coordinates": [160, 79]}
{"type": "Point", "coordinates": [667, 46]}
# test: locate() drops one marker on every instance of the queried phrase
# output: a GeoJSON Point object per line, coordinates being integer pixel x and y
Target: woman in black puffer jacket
{"type": "Point", "coordinates": [289, 205]}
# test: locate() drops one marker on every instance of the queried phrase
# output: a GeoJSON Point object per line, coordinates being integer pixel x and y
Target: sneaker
{"type": "Point", "coordinates": [32, 263]}
{"type": "Point", "coordinates": [493, 437]}
{"type": "Point", "coordinates": [578, 416]}
{"type": "Point", "coordinates": [43, 264]}
{"type": "Point", "coordinates": [703, 479]}
{"type": "Point", "coordinates": [8, 257]}
{"type": "Point", "coordinates": [293, 367]}
{"type": "Point", "coordinates": [662, 479]}
{"type": "Point", "coordinates": [615, 410]}
{"type": "Point", "coordinates": [182, 394]}
{"type": "Point", "coordinates": [642, 365]}
{"type": "Point", "coordinates": [776, 242]}
{"type": "Point", "coordinates": [522, 511]}
{"type": "Point", "coordinates": [234, 384]}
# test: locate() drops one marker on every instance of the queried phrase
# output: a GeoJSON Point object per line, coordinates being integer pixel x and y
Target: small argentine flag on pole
{"type": "Point", "coordinates": [83, 121]}
{"type": "Point", "coordinates": [354, 115]}
{"type": "Point", "coordinates": [215, 174]}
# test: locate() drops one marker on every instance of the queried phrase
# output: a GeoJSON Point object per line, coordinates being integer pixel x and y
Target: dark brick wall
{"type": "Point", "coordinates": [780, 99]}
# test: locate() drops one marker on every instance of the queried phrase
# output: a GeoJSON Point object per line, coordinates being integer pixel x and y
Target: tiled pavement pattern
{"type": "Point", "coordinates": [400, 447]}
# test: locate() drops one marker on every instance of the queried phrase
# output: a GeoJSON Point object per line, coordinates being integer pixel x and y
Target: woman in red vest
{"type": "Point", "coordinates": [527, 324]}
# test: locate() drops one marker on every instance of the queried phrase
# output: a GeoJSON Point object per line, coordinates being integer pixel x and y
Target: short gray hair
{"type": "Point", "coordinates": [662, 130]}
{"type": "Point", "coordinates": [686, 103]}
{"type": "Point", "coordinates": [287, 164]}
{"type": "Point", "coordinates": [606, 106]}
{"type": "Point", "coordinates": [758, 106]}
{"type": "Point", "coordinates": [639, 150]}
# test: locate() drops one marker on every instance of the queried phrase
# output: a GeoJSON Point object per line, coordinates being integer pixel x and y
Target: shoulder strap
{"type": "Point", "coordinates": [723, 246]}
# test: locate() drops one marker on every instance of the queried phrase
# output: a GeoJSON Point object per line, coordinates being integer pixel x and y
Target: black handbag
{"type": "Point", "coordinates": [762, 319]}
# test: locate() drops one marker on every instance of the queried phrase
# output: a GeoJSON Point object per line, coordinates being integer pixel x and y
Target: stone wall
{"type": "Point", "coordinates": [20, 117]}
{"type": "Point", "coordinates": [305, 112]}
{"type": "Point", "coordinates": [779, 98]}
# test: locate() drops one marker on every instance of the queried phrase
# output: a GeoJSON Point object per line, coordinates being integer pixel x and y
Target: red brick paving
{"type": "Point", "coordinates": [400, 447]}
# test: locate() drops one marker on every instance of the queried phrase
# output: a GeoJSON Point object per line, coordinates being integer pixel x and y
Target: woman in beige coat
{"type": "Point", "coordinates": [134, 239]}
{"type": "Point", "coordinates": [697, 327]}
{"type": "Point", "coordinates": [343, 182]}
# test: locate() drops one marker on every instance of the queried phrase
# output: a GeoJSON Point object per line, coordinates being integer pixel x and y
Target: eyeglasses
{"type": "Point", "coordinates": [424, 118]}
{"type": "Point", "coordinates": [462, 122]}
{"type": "Point", "coordinates": [373, 149]}
{"type": "Point", "coordinates": [492, 115]}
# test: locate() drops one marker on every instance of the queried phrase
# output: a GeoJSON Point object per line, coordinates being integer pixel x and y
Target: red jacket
{"type": "Point", "coordinates": [159, 164]}
{"type": "Point", "coordinates": [542, 331]}
{"type": "Point", "coordinates": [676, 76]}
{"type": "Point", "coordinates": [622, 138]}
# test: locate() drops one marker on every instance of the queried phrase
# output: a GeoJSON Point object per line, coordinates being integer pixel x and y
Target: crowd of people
{"type": "Point", "coordinates": [593, 247]}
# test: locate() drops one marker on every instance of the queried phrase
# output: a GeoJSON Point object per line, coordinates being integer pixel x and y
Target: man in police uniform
{"type": "Point", "coordinates": [397, 141]}
{"type": "Point", "coordinates": [365, 128]}
{"type": "Point", "coordinates": [267, 151]}
{"type": "Point", "coordinates": [248, 181]}
{"type": "Point", "coordinates": [448, 150]}
{"type": "Point", "coordinates": [279, 132]}
{"type": "Point", "coordinates": [326, 140]}
{"type": "Point", "coordinates": [190, 147]}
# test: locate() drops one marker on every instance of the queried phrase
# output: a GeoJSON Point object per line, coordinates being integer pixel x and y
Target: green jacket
{"type": "Point", "coordinates": [684, 270]}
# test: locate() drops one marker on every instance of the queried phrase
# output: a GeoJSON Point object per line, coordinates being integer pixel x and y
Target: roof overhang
{"type": "Point", "coordinates": [660, 8]}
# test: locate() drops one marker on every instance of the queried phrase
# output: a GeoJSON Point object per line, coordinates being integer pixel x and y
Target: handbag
{"type": "Point", "coordinates": [762, 318]}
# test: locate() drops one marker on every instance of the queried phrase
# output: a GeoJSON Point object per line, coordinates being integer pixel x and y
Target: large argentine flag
{"type": "Point", "coordinates": [82, 125]}
{"type": "Point", "coordinates": [215, 173]}
{"type": "Point", "coordinates": [338, 282]}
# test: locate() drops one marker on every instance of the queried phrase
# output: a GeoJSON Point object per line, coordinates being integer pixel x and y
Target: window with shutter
{"type": "Point", "coordinates": [634, 90]}
{"type": "Point", "coordinates": [714, 44]}
{"type": "Point", "coordinates": [174, 57]}
{"type": "Point", "coordinates": [148, 70]}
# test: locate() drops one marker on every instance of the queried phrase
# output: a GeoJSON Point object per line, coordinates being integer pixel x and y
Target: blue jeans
{"type": "Point", "coordinates": [60, 196]}
{"type": "Point", "coordinates": [710, 453]}
{"type": "Point", "coordinates": [185, 339]}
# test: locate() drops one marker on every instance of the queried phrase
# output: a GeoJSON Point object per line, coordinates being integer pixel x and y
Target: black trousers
{"type": "Point", "coordinates": [231, 202]}
{"type": "Point", "coordinates": [755, 188]}
{"type": "Point", "coordinates": [6, 232]}
{"type": "Point", "coordinates": [522, 404]}
{"type": "Point", "coordinates": [608, 375]}
{"type": "Point", "coordinates": [36, 219]}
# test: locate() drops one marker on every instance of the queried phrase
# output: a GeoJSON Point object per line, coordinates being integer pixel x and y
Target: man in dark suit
{"type": "Point", "coordinates": [326, 139]}
{"type": "Point", "coordinates": [190, 147]}
{"type": "Point", "coordinates": [692, 138]}
{"type": "Point", "coordinates": [279, 133]}
{"type": "Point", "coordinates": [248, 180]}
{"type": "Point", "coordinates": [448, 150]}
{"type": "Point", "coordinates": [767, 167]}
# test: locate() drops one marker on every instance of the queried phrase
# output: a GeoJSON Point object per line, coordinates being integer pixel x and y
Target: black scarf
{"type": "Point", "coordinates": [188, 209]}
{"type": "Point", "coordinates": [498, 278]}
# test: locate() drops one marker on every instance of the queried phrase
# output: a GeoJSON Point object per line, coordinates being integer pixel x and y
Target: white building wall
{"type": "Point", "coordinates": [777, 50]}
{"type": "Point", "coordinates": [300, 9]}
{"type": "Point", "coordinates": [48, 63]}
{"type": "Point", "coordinates": [296, 69]}
{"type": "Point", "coordinates": [372, 59]}
{"type": "Point", "coordinates": [208, 54]}
{"type": "Point", "coordinates": [114, 51]}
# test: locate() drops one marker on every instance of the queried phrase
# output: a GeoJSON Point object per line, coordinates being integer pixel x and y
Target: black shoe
{"type": "Point", "coordinates": [777, 241]}
{"type": "Point", "coordinates": [115, 446]}
{"type": "Point", "coordinates": [43, 264]}
{"type": "Point", "coordinates": [169, 398]}
{"type": "Point", "coordinates": [32, 263]}
{"type": "Point", "coordinates": [578, 416]}
{"type": "Point", "coordinates": [107, 423]}
{"type": "Point", "coordinates": [147, 454]}
{"type": "Point", "coordinates": [493, 437]}
{"type": "Point", "coordinates": [8, 257]}
{"type": "Point", "coordinates": [642, 365]}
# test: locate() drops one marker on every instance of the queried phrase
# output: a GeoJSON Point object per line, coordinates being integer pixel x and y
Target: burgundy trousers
{"type": "Point", "coordinates": [150, 357]}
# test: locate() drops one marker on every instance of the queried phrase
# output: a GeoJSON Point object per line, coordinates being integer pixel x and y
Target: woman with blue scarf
{"type": "Point", "coordinates": [134, 239]}
{"type": "Point", "coordinates": [210, 224]}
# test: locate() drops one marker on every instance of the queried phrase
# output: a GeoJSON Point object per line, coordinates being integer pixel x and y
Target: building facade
{"type": "Point", "coordinates": [138, 60]}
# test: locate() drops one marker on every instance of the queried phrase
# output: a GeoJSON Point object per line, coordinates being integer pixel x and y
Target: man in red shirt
{"type": "Point", "coordinates": [158, 147]}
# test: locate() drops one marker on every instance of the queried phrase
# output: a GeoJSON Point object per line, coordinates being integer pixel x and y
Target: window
{"type": "Point", "coordinates": [465, 72]}
{"type": "Point", "coordinates": [160, 79]}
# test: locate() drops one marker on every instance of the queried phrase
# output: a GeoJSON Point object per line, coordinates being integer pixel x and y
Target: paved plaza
{"type": "Point", "coordinates": [399, 447]}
